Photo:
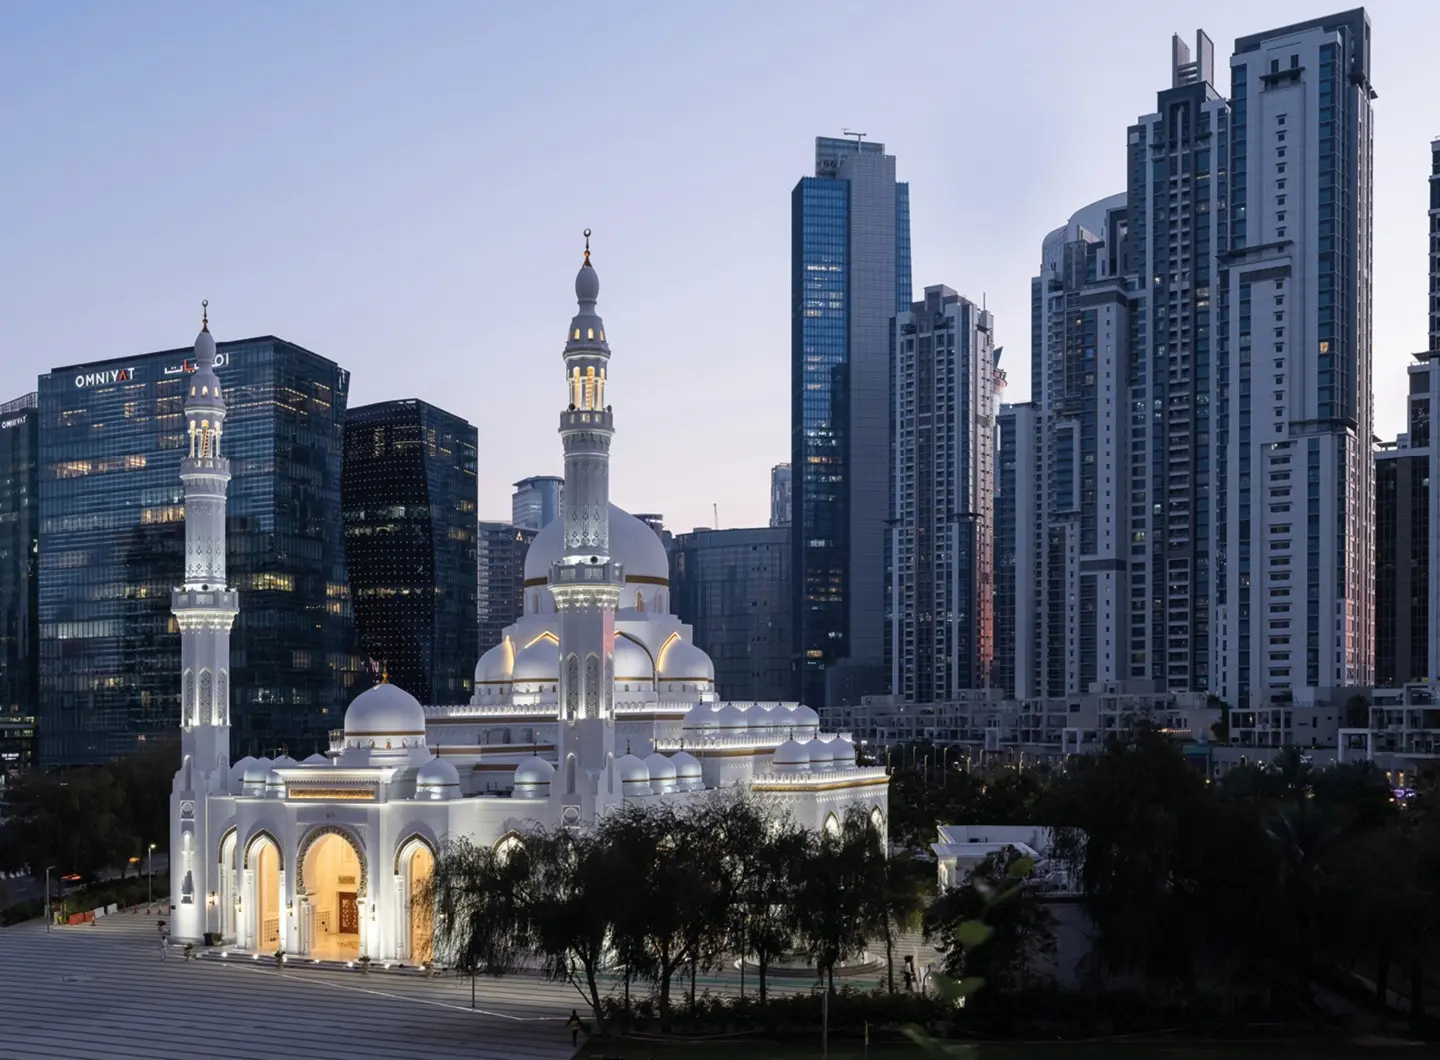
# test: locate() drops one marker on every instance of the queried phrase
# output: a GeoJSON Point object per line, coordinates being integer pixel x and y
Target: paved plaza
{"type": "Point", "coordinates": [103, 991]}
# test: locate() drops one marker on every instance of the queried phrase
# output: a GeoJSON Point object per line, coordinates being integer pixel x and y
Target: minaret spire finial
{"type": "Point", "coordinates": [204, 314]}
{"type": "Point", "coordinates": [587, 246]}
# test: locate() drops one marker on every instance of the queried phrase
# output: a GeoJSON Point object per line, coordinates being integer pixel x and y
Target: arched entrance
{"type": "Point", "coordinates": [228, 891]}
{"type": "Point", "coordinates": [264, 861]}
{"type": "Point", "coordinates": [334, 883]}
{"type": "Point", "coordinates": [419, 866]}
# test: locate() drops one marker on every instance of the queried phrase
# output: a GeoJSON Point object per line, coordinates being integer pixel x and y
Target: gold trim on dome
{"type": "Point", "coordinates": [630, 579]}
{"type": "Point", "coordinates": [405, 732]}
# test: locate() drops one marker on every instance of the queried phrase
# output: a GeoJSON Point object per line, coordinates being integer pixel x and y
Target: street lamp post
{"type": "Point", "coordinates": [150, 875]}
{"type": "Point", "coordinates": [48, 917]}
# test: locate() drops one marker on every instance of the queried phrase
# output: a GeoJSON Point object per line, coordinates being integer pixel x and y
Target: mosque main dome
{"type": "Point", "coordinates": [634, 545]}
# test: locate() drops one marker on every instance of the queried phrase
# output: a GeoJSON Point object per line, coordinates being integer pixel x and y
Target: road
{"type": "Point", "coordinates": [103, 991]}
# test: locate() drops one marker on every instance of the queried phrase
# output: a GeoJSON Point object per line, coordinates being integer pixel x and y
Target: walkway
{"type": "Point", "coordinates": [103, 991]}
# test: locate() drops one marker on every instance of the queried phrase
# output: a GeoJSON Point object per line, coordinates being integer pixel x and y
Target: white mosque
{"type": "Point", "coordinates": [596, 697]}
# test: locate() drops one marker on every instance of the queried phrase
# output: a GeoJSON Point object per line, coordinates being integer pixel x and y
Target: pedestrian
{"type": "Point", "coordinates": [164, 939]}
{"type": "Point", "coordinates": [575, 1026]}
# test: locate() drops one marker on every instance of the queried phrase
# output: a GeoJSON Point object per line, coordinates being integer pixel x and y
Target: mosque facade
{"type": "Point", "coordinates": [595, 697]}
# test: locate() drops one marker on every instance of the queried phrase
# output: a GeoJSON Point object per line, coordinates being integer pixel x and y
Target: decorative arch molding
{"type": "Point", "coordinates": [407, 846]}
{"type": "Point", "coordinates": [320, 832]}
{"type": "Point", "coordinates": [225, 837]}
{"type": "Point", "coordinates": [508, 842]}
{"type": "Point", "coordinates": [654, 669]}
{"type": "Point", "coordinates": [255, 838]}
{"type": "Point", "coordinates": [831, 826]}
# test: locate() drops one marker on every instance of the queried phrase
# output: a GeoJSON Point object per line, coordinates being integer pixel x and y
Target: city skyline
{"type": "Point", "coordinates": [403, 273]}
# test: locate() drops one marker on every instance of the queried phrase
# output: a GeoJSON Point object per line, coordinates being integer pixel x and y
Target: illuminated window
{"type": "Point", "coordinates": [589, 388]}
{"type": "Point", "coordinates": [577, 333]}
{"type": "Point", "coordinates": [589, 333]}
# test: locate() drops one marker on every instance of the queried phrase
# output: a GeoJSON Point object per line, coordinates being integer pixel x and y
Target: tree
{"type": "Point", "coordinates": [771, 893]}
{"type": "Point", "coordinates": [483, 907]}
{"type": "Point", "coordinates": [905, 887]}
{"type": "Point", "coordinates": [841, 905]}
{"type": "Point", "coordinates": [1140, 831]}
{"type": "Point", "coordinates": [575, 880]}
{"type": "Point", "coordinates": [1001, 890]}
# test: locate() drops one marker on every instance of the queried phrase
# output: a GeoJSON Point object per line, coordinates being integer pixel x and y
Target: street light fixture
{"type": "Point", "coordinates": [150, 876]}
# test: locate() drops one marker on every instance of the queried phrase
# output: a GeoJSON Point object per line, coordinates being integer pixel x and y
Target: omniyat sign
{"type": "Point", "coordinates": [125, 375]}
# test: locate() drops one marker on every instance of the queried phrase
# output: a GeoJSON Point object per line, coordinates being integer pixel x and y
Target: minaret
{"type": "Point", "coordinates": [585, 582]}
{"type": "Point", "coordinates": [204, 608]}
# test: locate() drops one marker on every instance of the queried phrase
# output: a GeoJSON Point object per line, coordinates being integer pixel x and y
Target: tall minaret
{"type": "Point", "coordinates": [204, 607]}
{"type": "Point", "coordinates": [585, 582]}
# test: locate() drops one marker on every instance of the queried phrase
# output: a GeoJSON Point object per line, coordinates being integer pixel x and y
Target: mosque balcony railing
{"type": "Point", "coordinates": [765, 744]}
{"type": "Point", "coordinates": [809, 778]}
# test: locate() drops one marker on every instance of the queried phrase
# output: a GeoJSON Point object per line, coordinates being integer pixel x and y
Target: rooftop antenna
{"type": "Point", "coordinates": [715, 514]}
{"type": "Point", "coordinates": [859, 138]}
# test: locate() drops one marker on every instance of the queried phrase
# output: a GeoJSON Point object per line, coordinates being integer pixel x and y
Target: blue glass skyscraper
{"type": "Point", "coordinates": [112, 540]}
{"type": "Point", "coordinates": [850, 275]}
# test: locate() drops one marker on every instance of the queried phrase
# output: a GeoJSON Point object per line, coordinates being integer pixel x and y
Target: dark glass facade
{"type": "Point", "coordinates": [1402, 544]}
{"type": "Point", "coordinates": [19, 553]}
{"type": "Point", "coordinates": [409, 494]}
{"type": "Point", "coordinates": [500, 562]}
{"type": "Point", "coordinates": [112, 545]}
{"type": "Point", "coordinates": [733, 588]}
{"type": "Point", "coordinates": [850, 274]}
{"type": "Point", "coordinates": [537, 501]}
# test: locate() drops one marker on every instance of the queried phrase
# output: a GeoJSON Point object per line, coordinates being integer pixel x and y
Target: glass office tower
{"type": "Point", "coordinates": [19, 550]}
{"type": "Point", "coordinates": [733, 587]}
{"type": "Point", "coordinates": [850, 275]}
{"type": "Point", "coordinates": [112, 542]}
{"type": "Point", "coordinates": [409, 493]}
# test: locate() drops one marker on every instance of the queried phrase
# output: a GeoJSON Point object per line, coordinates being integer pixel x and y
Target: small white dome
{"type": "Point", "coordinates": [437, 779]}
{"type": "Point", "coordinates": [494, 666]}
{"type": "Point", "coordinates": [660, 767]}
{"type": "Point", "coordinates": [284, 762]}
{"type": "Point", "coordinates": [821, 756]}
{"type": "Point", "coordinates": [687, 766]}
{"type": "Point", "coordinates": [843, 752]}
{"type": "Point", "coordinates": [632, 663]}
{"type": "Point", "coordinates": [238, 770]}
{"type": "Point", "coordinates": [385, 710]}
{"type": "Point", "coordinates": [632, 770]}
{"type": "Point", "coordinates": [731, 717]}
{"type": "Point", "coordinates": [683, 663]}
{"type": "Point", "coordinates": [805, 716]}
{"type": "Point", "coordinates": [316, 760]}
{"type": "Point", "coordinates": [534, 771]}
{"type": "Point", "coordinates": [701, 716]}
{"type": "Point", "coordinates": [537, 664]}
{"type": "Point", "coordinates": [791, 753]}
{"type": "Point", "coordinates": [257, 771]}
{"type": "Point", "coordinates": [274, 786]}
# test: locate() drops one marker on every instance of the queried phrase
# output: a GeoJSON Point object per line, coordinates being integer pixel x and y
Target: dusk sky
{"type": "Point", "coordinates": [402, 188]}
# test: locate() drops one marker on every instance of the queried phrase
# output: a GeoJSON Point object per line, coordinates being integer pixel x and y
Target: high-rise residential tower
{"type": "Point", "coordinates": [1433, 558]}
{"type": "Point", "coordinates": [1402, 542]}
{"type": "Point", "coordinates": [112, 545]}
{"type": "Point", "coordinates": [409, 497]}
{"type": "Point", "coordinates": [942, 533]}
{"type": "Point", "coordinates": [1077, 548]}
{"type": "Point", "coordinates": [537, 501]}
{"type": "Point", "coordinates": [1294, 545]}
{"type": "Point", "coordinates": [780, 495]}
{"type": "Point", "coordinates": [1015, 551]}
{"type": "Point", "coordinates": [850, 275]}
{"type": "Point", "coordinates": [19, 558]}
{"type": "Point", "coordinates": [1164, 485]}
{"type": "Point", "coordinates": [500, 578]}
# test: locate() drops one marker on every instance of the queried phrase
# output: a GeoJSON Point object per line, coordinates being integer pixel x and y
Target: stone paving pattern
{"type": "Point", "coordinates": [103, 991]}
